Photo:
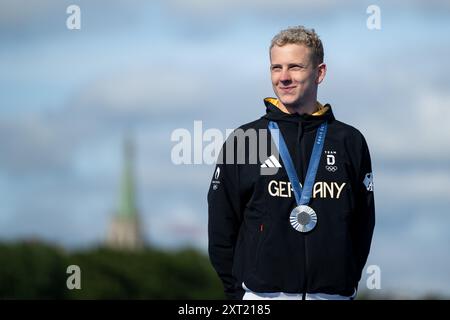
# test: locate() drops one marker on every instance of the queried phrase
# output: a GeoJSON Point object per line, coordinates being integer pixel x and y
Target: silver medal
{"type": "Point", "coordinates": [303, 218]}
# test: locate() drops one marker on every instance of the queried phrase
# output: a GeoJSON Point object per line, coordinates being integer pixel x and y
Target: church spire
{"type": "Point", "coordinates": [124, 231]}
{"type": "Point", "coordinates": [127, 206]}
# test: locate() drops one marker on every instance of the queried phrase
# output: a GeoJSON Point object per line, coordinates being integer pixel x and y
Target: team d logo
{"type": "Point", "coordinates": [331, 161]}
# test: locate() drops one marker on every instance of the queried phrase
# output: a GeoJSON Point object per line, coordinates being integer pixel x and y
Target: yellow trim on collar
{"type": "Point", "coordinates": [320, 108]}
{"type": "Point", "coordinates": [273, 101]}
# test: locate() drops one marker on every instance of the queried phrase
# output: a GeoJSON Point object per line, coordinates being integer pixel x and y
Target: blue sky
{"type": "Point", "coordinates": [68, 97]}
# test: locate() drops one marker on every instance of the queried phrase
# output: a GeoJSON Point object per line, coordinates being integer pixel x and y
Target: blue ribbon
{"type": "Point", "coordinates": [302, 196]}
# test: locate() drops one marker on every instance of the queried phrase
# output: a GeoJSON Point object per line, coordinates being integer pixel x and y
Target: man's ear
{"type": "Point", "coordinates": [321, 72]}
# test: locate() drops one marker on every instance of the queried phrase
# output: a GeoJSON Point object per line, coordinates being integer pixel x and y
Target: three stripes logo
{"type": "Point", "coordinates": [270, 166]}
{"type": "Point", "coordinates": [271, 162]}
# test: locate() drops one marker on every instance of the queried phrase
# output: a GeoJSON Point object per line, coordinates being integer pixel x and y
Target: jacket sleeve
{"type": "Point", "coordinates": [364, 221]}
{"type": "Point", "coordinates": [224, 220]}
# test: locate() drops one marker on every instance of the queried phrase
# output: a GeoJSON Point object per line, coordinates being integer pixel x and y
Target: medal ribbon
{"type": "Point", "coordinates": [302, 196]}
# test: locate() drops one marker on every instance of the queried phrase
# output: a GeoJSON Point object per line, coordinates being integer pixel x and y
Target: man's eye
{"type": "Point", "coordinates": [276, 68]}
{"type": "Point", "coordinates": [296, 68]}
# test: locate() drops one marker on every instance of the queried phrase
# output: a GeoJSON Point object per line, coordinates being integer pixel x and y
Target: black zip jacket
{"type": "Point", "coordinates": [250, 236]}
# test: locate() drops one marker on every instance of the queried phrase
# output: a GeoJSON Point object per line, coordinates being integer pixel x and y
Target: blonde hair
{"type": "Point", "coordinates": [300, 35]}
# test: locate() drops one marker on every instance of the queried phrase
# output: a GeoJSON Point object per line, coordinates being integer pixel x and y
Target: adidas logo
{"type": "Point", "coordinates": [271, 162]}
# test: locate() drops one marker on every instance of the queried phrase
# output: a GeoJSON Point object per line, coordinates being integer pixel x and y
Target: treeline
{"type": "Point", "coordinates": [39, 271]}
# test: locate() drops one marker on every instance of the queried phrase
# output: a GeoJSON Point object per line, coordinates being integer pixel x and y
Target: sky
{"type": "Point", "coordinates": [69, 97]}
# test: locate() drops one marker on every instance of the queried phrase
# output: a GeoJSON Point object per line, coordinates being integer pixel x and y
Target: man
{"type": "Point", "coordinates": [304, 231]}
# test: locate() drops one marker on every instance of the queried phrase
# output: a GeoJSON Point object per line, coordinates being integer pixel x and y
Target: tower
{"type": "Point", "coordinates": [124, 231]}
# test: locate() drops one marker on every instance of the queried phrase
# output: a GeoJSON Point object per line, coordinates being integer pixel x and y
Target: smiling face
{"type": "Point", "coordinates": [294, 75]}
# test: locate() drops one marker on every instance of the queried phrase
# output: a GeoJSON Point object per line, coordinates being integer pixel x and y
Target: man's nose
{"type": "Point", "coordinates": [285, 76]}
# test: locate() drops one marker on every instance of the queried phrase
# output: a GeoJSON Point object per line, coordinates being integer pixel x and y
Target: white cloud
{"type": "Point", "coordinates": [432, 114]}
{"type": "Point", "coordinates": [418, 184]}
{"type": "Point", "coordinates": [414, 129]}
{"type": "Point", "coordinates": [18, 12]}
{"type": "Point", "coordinates": [414, 259]}
{"type": "Point", "coordinates": [30, 142]}
{"type": "Point", "coordinates": [148, 89]}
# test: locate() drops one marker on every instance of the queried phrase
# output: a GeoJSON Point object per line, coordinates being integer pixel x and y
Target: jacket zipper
{"type": "Point", "coordinates": [298, 156]}
{"type": "Point", "coordinates": [305, 280]}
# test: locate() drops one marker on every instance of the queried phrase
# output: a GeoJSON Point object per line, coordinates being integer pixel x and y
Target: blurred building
{"type": "Point", "coordinates": [124, 231]}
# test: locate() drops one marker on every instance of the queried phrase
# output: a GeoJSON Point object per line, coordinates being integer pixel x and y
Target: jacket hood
{"type": "Point", "coordinates": [273, 113]}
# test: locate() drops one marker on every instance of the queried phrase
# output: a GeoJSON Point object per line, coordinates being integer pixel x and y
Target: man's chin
{"type": "Point", "coordinates": [288, 101]}
{"type": "Point", "coordinates": [285, 97]}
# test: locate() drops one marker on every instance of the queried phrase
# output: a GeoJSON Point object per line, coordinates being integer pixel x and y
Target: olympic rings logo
{"type": "Point", "coordinates": [331, 168]}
